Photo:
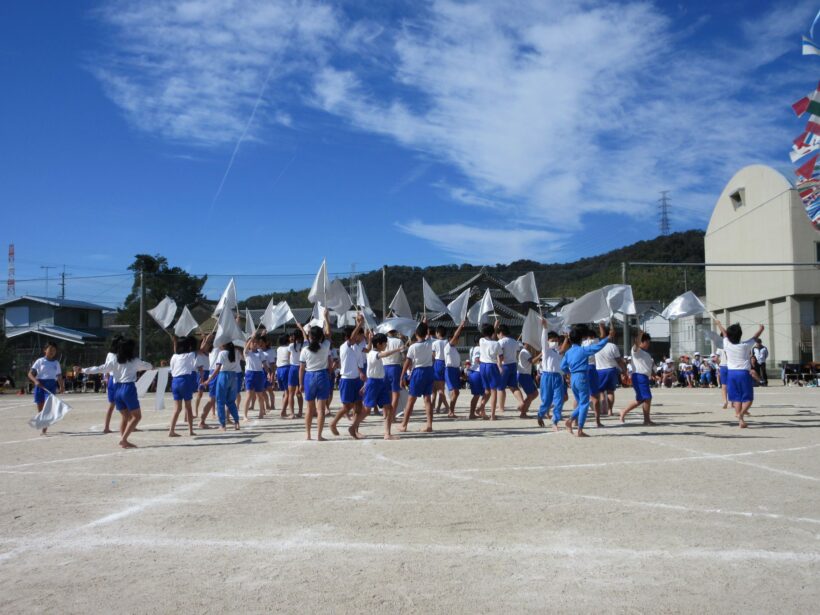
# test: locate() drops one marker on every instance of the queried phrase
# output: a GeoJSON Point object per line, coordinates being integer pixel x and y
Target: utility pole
{"type": "Point", "coordinates": [627, 349]}
{"type": "Point", "coordinates": [142, 313]}
{"type": "Point", "coordinates": [47, 267]}
{"type": "Point", "coordinates": [10, 289]}
{"type": "Point", "coordinates": [384, 291]}
{"type": "Point", "coordinates": [663, 204]}
{"type": "Point", "coordinates": [62, 284]}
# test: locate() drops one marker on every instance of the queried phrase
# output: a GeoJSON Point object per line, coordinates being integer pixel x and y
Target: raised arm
{"type": "Point", "coordinates": [720, 326]}
{"type": "Point", "coordinates": [203, 345]}
{"type": "Point", "coordinates": [457, 334]}
{"type": "Point", "coordinates": [327, 324]}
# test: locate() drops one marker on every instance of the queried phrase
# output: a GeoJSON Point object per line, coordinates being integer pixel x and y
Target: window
{"type": "Point", "coordinates": [17, 316]}
{"type": "Point", "coordinates": [738, 198]}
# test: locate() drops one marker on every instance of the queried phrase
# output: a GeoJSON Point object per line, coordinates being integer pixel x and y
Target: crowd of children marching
{"type": "Point", "coordinates": [371, 370]}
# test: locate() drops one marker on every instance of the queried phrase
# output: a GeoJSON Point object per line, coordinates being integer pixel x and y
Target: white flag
{"type": "Point", "coordinates": [53, 410]}
{"type": "Point", "coordinates": [486, 306]}
{"type": "Point", "coordinates": [145, 381]}
{"type": "Point", "coordinates": [162, 382]}
{"type": "Point", "coordinates": [686, 304]}
{"type": "Point", "coordinates": [524, 288]}
{"type": "Point", "coordinates": [337, 298]}
{"type": "Point", "coordinates": [810, 48]}
{"type": "Point", "coordinates": [600, 305]}
{"type": "Point", "coordinates": [400, 305]}
{"type": "Point", "coordinates": [361, 296]}
{"type": "Point", "coordinates": [227, 300]}
{"type": "Point", "coordinates": [250, 327]}
{"type": "Point", "coordinates": [185, 324]}
{"type": "Point", "coordinates": [319, 289]}
{"type": "Point", "coordinates": [531, 330]}
{"type": "Point", "coordinates": [164, 312]}
{"type": "Point", "coordinates": [432, 301]}
{"type": "Point", "coordinates": [458, 307]}
{"type": "Point", "coordinates": [276, 315]}
{"type": "Point", "coordinates": [226, 329]}
{"type": "Point", "coordinates": [405, 326]}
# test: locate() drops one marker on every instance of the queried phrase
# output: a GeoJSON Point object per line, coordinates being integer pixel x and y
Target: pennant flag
{"type": "Point", "coordinates": [531, 330]}
{"type": "Point", "coordinates": [801, 106]}
{"type": "Point", "coordinates": [276, 315]}
{"type": "Point", "coordinates": [164, 312]}
{"type": "Point", "coordinates": [599, 305]}
{"type": "Point", "coordinates": [400, 305]}
{"type": "Point", "coordinates": [485, 306]}
{"type": "Point", "coordinates": [361, 297]}
{"type": "Point", "coordinates": [53, 410]}
{"type": "Point", "coordinates": [318, 291]}
{"type": "Point", "coordinates": [432, 301]}
{"type": "Point", "coordinates": [813, 127]}
{"type": "Point", "coordinates": [338, 300]}
{"type": "Point", "coordinates": [226, 329]}
{"type": "Point", "coordinates": [250, 328]}
{"type": "Point", "coordinates": [807, 169]}
{"type": "Point", "coordinates": [227, 300]}
{"type": "Point", "coordinates": [145, 381]}
{"type": "Point", "coordinates": [185, 324]}
{"type": "Point", "coordinates": [686, 304]}
{"type": "Point", "coordinates": [405, 326]}
{"type": "Point", "coordinates": [810, 47]}
{"type": "Point", "coordinates": [162, 383]}
{"type": "Point", "coordinates": [458, 307]}
{"type": "Point", "coordinates": [524, 289]}
{"type": "Point", "coordinates": [800, 152]}
{"type": "Point", "coordinates": [801, 141]}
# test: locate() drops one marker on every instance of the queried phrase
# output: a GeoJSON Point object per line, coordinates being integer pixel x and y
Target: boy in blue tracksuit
{"type": "Point", "coordinates": [576, 361]}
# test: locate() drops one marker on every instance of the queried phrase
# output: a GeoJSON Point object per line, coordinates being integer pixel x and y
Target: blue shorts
{"type": "Point", "coordinates": [608, 378]}
{"type": "Point", "coordinates": [724, 375]}
{"type": "Point", "coordinates": [202, 378]}
{"type": "Point", "coordinates": [126, 398]}
{"type": "Point", "coordinates": [490, 376]}
{"type": "Point", "coordinates": [111, 389]}
{"type": "Point", "coordinates": [255, 381]}
{"type": "Point", "coordinates": [293, 376]}
{"type": "Point", "coordinates": [377, 393]}
{"type": "Point", "coordinates": [640, 384]}
{"type": "Point", "coordinates": [452, 378]}
{"type": "Point", "coordinates": [41, 393]}
{"type": "Point", "coordinates": [438, 370]}
{"type": "Point", "coordinates": [282, 377]}
{"type": "Point", "coordinates": [181, 388]}
{"type": "Point", "coordinates": [592, 379]}
{"type": "Point", "coordinates": [392, 374]}
{"type": "Point", "coordinates": [421, 381]}
{"type": "Point", "coordinates": [212, 387]}
{"type": "Point", "coordinates": [527, 383]}
{"type": "Point", "coordinates": [476, 384]}
{"type": "Point", "coordinates": [508, 376]}
{"type": "Point", "coordinates": [317, 385]}
{"type": "Point", "coordinates": [739, 386]}
{"type": "Point", "coordinates": [350, 390]}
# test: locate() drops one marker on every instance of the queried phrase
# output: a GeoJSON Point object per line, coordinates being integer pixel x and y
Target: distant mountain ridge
{"type": "Point", "coordinates": [554, 280]}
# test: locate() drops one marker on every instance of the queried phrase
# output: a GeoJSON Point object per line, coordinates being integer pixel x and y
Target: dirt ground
{"type": "Point", "coordinates": [694, 515]}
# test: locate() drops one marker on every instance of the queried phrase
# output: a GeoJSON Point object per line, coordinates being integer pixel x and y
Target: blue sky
{"type": "Point", "coordinates": [256, 137]}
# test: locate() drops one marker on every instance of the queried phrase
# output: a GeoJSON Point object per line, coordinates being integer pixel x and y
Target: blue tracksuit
{"type": "Point", "coordinates": [552, 394]}
{"type": "Point", "coordinates": [575, 361]}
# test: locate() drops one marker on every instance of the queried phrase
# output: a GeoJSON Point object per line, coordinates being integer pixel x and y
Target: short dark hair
{"type": "Point", "coordinates": [379, 339]}
{"type": "Point", "coordinates": [502, 328]}
{"type": "Point", "coordinates": [734, 333]}
{"type": "Point", "coordinates": [441, 330]}
{"type": "Point", "coordinates": [487, 330]}
{"type": "Point", "coordinates": [577, 333]}
{"type": "Point", "coordinates": [551, 335]}
{"type": "Point", "coordinates": [348, 331]}
{"type": "Point", "coordinates": [645, 337]}
{"type": "Point", "coordinates": [422, 330]}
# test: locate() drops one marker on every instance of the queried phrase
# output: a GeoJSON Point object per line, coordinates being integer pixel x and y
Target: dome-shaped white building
{"type": "Point", "coordinates": [759, 218]}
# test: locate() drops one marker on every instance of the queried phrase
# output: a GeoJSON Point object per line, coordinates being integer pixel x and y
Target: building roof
{"type": "Point", "coordinates": [60, 333]}
{"type": "Point", "coordinates": [55, 302]}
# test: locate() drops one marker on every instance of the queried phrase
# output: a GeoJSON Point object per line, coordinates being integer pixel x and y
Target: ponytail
{"type": "Point", "coordinates": [317, 336]}
{"type": "Point", "coordinates": [231, 351]}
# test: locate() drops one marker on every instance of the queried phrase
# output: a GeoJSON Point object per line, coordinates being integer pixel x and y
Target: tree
{"type": "Point", "coordinates": [160, 280]}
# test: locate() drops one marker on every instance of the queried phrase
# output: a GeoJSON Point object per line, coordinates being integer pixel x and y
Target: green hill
{"type": "Point", "coordinates": [554, 280]}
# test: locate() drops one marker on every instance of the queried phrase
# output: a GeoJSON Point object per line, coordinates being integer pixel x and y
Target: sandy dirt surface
{"type": "Point", "coordinates": [694, 515]}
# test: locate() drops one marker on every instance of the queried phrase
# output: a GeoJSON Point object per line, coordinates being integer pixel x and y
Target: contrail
{"type": "Point", "coordinates": [241, 138]}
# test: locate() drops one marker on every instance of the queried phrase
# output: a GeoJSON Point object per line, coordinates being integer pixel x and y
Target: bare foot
{"type": "Point", "coordinates": [223, 428]}
{"type": "Point", "coordinates": [492, 418]}
{"type": "Point", "coordinates": [725, 406]}
{"type": "Point", "coordinates": [352, 432]}
{"type": "Point", "coordinates": [555, 427]}
{"type": "Point", "coordinates": [451, 415]}
{"type": "Point", "coordinates": [389, 436]}
{"type": "Point", "coordinates": [236, 427]}
{"type": "Point", "coordinates": [283, 414]}
{"type": "Point", "coordinates": [523, 415]}
{"type": "Point", "coordinates": [333, 429]}
{"type": "Point", "coordinates": [568, 424]}
{"type": "Point", "coordinates": [649, 423]}
{"type": "Point", "coordinates": [426, 430]}
{"type": "Point", "coordinates": [743, 424]}
{"type": "Point", "coordinates": [581, 434]}
{"type": "Point", "coordinates": [402, 428]}
{"type": "Point", "coordinates": [173, 434]}
{"type": "Point", "coordinates": [540, 422]}
{"type": "Point", "coordinates": [106, 430]}
{"type": "Point", "coordinates": [320, 439]}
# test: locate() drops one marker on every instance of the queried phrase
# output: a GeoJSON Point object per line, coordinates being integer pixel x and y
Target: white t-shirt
{"type": "Point", "coordinates": [315, 361]}
{"type": "Point", "coordinates": [111, 357]}
{"type": "Point", "coordinates": [589, 342]}
{"type": "Point", "coordinates": [508, 347]}
{"type": "Point", "coordinates": [46, 369]}
{"type": "Point", "coordinates": [202, 360]}
{"type": "Point", "coordinates": [375, 365]}
{"type": "Point", "coordinates": [642, 362]}
{"type": "Point", "coordinates": [721, 355]}
{"type": "Point", "coordinates": [550, 357]}
{"type": "Point", "coordinates": [607, 357]}
{"type": "Point", "coordinates": [451, 356]}
{"type": "Point", "coordinates": [439, 346]}
{"type": "Point", "coordinates": [396, 358]}
{"type": "Point", "coordinates": [182, 364]}
{"type": "Point", "coordinates": [295, 352]}
{"type": "Point", "coordinates": [738, 356]}
{"type": "Point", "coordinates": [421, 353]}
{"type": "Point", "coordinates": [123, 372]}
{"type": "Point", "coordinates": [489, 350]}
{"type": "Point", "coordinates": [282, 356]}
{"type": "Point", "coordinates": [224, 359]}
{"type": "Point", "coordinates": [475, 358]}
{"type": "Point", "coordinates": [350, 360]}
{"type": "Point", "coordinates": [254, 361]}
{"type": "Point", "coordinates": [360, 347]}
{"type": "Point", "coordinates": [524, 362]}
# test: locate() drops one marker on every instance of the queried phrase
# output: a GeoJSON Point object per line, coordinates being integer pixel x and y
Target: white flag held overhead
{"type": "Point", "coordinates": [400, 305]}
{"type": "Point", "coordinates": [319, 289]}
{"type": "Point", "coordinates": [458, 307]}
{"type": "Point", "coordinates": [226, 329]}
{"type": "Point", "coordinates": [164, 312]}
{"type": "Point", "coordinates": [524, 288]}
{"type": "Point", "coordinates": [185, 324]}
{"type": "Point", "coordinates": [599, 305]}
{"type": "Point", "coordinates": [686, 304]}
{"type": "Point", "coordinates": [277, 315]}
{"type": "Point", "coordinates": [361, 297]}
{"type": "Point", "coordinates": [338, 300]}
{"type": "Point", "coordinates": [228, 299]}
{"type": "Point", "coordinates": [250, 328]}
{"type": "Point", "coordinates": [53, 410]}
{"type": "Point", "coordinates": [432, 301]}
{"type": "Point", "coordinates": [405, 326]}
{"type": "Point", "coordinates": [531, 330]}
{"type": "Point", "coordinates": [486, 306]}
